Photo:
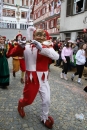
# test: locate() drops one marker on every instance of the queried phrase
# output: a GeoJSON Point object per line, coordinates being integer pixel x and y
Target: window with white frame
{"type": "Point", "coordinates": [79, 6]}
{"type": "Point", "coordinates": [52, 23]}
{"type": "Point", "coordinates": [35, 16]}
{"type": "Point", "coordinates": [43, 11]}
{"type": "Point", "coordinates": [38, 13]}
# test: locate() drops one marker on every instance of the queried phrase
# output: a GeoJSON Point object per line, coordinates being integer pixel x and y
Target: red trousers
{"type": "Point", "coordinates": [22, 65]}
{"type": "Point", "coordinates": [31, 89]}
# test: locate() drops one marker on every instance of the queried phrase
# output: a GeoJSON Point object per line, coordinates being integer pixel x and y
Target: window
{"type": "Point", "coordinates": [43, 11]}
{"type": "Point", "coordinates": [8, 25]}
{"type": "Point", "coordinates": [51, 23]}
{"type": "Point", "coordinates": [12, 1]}
{"type": "Point", "coordinates": [22, 2]}
{"type": "Point", "coordinates": [7, 1]}
{"type": "Point", "coordinates": [69, 7]}
{"type": "Point", "coordinates": [52, 8]}
{"type": "Point", "coordinates": [68, 36]}
{"type": "Point", "coordinates": [85, 4]}
{"type": "Point", "coordinates": [31, 2]}
{"type": "Point", "coordinates": [9, 13]}
{"type": "Point", "coordinates": [23, 26]}
{"type": "Point", "coordinates": [38, 13]}
{"type": "Point", "coordinates": [78, 6]}
{"type": "Point", "coordinates": [4, 12]}
{"type": "Point", "coordinates": [57, 7]}
{"type": "Point", "coordinates": [23, 14]}
{"type": "Point", "coordinates": [35, 16]}
{"type": "Point", "coordinates": [43, 26]}
{"type": "Point", "coordinates": [31, 16]}
{"type": "Point", "coordinates": [26, 2]}
{"type": "Point", "coordinates": [12, 13]}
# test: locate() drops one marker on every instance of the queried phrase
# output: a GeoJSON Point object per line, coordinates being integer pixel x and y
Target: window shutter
{"type": "Point", "coordinates": [49, 7]}
{"type": "Point", "coordinates": [55, 22]}
{"type": "Point", "coordinates": [49, 24]}
{"type": "Point", "coordinates": [86, 5]}
{"type": "Point", "coordinates": [69, 9]}
{"type": "Point", "coordinates": [40, 12]}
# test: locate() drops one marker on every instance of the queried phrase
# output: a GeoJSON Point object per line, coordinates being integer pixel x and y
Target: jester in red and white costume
{"type": "Point", "coordinates": [37, 56]}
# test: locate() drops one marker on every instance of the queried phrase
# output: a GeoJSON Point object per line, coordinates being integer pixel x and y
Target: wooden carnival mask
{"type": "Point", "coordinates": [40, 35]}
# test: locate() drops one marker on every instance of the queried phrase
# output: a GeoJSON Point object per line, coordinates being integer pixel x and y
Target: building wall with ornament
{"type": "Point", "coordinates": [46, 15]}
{"type": "Point", "coordinates": [14, 14]}
{"type": "Point", "coordinates": [73, 20]}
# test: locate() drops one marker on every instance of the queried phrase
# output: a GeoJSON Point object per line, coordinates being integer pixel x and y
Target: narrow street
{"type": "Point", "coordinates": [67, 99]}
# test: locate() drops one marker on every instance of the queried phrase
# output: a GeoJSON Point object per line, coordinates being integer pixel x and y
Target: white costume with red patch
{"type": "Point", "coordinates": [38, 62]}
{"type": "Point", "coordinates": [36, 78]}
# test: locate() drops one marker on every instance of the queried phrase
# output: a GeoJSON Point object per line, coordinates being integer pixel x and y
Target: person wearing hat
{"type": "Point", "coordinates": [16, 63]}
{"type": "Point", "coordinates": [38, 54]}
{"type": "Point", "coordinates": [4, 68]}
{"type": "Point", "coordinates": [4, 38]}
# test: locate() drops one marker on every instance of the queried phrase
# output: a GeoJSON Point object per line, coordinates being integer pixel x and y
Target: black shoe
{"type": "Point", "coordinates": [85, 89]}
{"type": "Point", "coordinates": [4, 87]}
{"type": "Point", "coordinates": [56, 65]}
{"type": "Point", "coordinates": [14, 74]}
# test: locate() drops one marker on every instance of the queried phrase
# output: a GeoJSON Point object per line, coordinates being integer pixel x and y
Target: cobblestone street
{"type": "Point", "coordinates": [67, 99]}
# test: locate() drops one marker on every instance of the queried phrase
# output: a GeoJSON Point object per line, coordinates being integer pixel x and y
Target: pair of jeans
{"type": "Point", "coordinates": [66, 65]}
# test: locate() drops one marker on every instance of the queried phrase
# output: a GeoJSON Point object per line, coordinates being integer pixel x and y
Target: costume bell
{"type": "Point", "coordinates": [4, 68]}
{"type": "Point", "coordinates": [37, 55]}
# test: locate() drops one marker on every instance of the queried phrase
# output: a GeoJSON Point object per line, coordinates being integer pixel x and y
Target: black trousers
{"type": "Point", "coordinates": [66, 65]}
{"type": "Point", "coordinates": [79, 70]}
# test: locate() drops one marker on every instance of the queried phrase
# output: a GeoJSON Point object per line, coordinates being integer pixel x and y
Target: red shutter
{"type": "Point", "coordinates": [40, 12]}
{"type": "Point", "coordinates": [55, 22]}
{"type": "Point", "coordinates": [49, 7]}
{"type": "Point", "coordinates": [36, 15]}
{"type": "Point", "coordinates": [36, 2]}
{"type": "Point", "coordinates": [49, 25]}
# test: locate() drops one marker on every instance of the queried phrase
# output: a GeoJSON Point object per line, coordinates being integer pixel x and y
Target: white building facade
{"type": "Point", "coordinates": [73, 18]}
{"type": "Point", "coordinates": [14, 14]}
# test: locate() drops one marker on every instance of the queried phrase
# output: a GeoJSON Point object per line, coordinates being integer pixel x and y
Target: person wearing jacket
{"type": "Point", "coordinates": [38, 54]}
{"type": "Point", "coordinates": [4, 67]}
{"type": "Point", "coordinates": [66, 54]}
{"type": "Point", "coordinates": [80, 62]}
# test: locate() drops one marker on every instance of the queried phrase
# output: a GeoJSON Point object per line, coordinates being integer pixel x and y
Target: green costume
{"type": "Point", "coordinates": [4, 69]}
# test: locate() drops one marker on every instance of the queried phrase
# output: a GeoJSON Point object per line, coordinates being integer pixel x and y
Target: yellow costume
{"type": "Point", "coordinates": [15, 62]}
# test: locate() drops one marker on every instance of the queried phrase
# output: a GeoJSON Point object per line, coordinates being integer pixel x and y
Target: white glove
{"type": "Point", "coordinates": [38, 44]}
{"type": "Point", "coordinates": [22, 43]}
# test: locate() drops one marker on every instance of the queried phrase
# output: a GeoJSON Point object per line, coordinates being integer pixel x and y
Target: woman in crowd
{"type": "Point", "coordinates": [4, 69]}
{"type": "Point", "coordinates": [80, 62]}
{"type": "Point", "coordinates": [67, 54]}
{"type": "Point", "coordinates": [16, 63]}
